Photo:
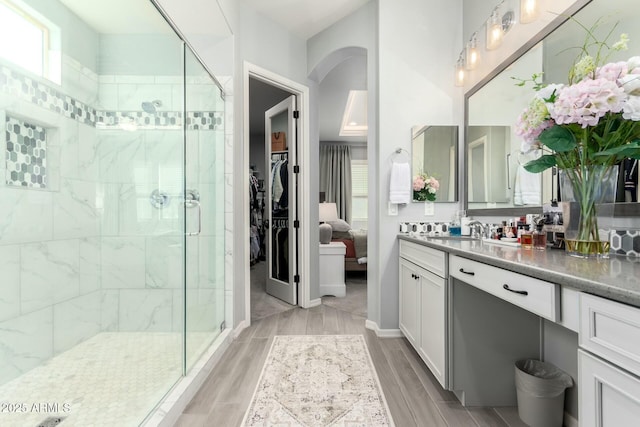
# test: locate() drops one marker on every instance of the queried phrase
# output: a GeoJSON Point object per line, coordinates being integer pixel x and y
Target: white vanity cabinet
{"type": "Point", "coordinates": [609, 363]}
{"type": "Point", "coordinates": [423, 299]}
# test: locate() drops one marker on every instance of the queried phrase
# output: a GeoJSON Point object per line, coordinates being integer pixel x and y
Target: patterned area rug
{"type": "Point", "coordinates": [318, 380]}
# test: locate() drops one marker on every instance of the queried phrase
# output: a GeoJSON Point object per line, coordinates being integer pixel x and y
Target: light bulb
{"type": "Point", "coordinates": [529, 11]}
{"type": "Point", "coordinates": [472, 53]}
{"type": "Point", "coordinates": [494, 31]}
{"type": "Point", "coordinates": [459, 72]}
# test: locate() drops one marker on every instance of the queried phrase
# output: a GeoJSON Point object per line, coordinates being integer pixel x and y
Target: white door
{"type": "Point", "coordinates": [409, 300]}
{"type": "Point", "coordinates": [282, 212]}
{"type": "Point", "coordinates": [432, 302]}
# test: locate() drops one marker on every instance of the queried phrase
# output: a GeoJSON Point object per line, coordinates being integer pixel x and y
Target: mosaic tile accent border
{"type": "Point", "coordinates": [625, 242]}
{"type": "Point", "coordinates": [436, 228]}
{"type": "Point", "coordinates": [47, 97]}
{"type": "Point", "coordinates": [26, 154]}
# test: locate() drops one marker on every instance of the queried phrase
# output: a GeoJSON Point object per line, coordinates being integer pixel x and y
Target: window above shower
{"type": "Point", "coordinates": [33, 42]}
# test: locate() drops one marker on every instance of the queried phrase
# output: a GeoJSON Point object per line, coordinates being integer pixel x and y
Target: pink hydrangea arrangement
{"type": "Point", "coordinates": [425, 187]}
{"type": "Point", "coordinates": [585, 128]}
{"type": "Point", "coordinates": [593, 120]}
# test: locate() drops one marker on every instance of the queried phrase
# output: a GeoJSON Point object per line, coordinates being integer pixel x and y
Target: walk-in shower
{"type": "Point", "coordinates": [107, 296]}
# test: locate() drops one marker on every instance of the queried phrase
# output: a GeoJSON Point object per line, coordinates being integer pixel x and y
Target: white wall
{"type": "Point", "coordinates": [409, 83]}
{"type": "Point", "coordinates": [325, 50]}
{"type": "Point", "coordinates": [263, 43]}
{"type": "Point", "coordinates": [416, 53]}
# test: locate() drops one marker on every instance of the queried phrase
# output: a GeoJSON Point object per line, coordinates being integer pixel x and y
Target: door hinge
{"type": "Point", "coordinates": [296, 223]}
{"type": "Point", "coordinates": [296, 278]}
{"type": "Point", "coordinates": [296, 169]}
{"type": "Point", "coordinates": [296, 114]}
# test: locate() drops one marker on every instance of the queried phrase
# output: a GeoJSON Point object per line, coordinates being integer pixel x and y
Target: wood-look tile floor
{"type": "Point", "coordinates": [414, 396]}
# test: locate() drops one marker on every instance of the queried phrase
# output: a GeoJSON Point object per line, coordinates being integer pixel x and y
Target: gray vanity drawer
{"type": "Point", "coordinates": [428, 258]}
{"type": "Point", "coordinates": [534, 295]}
{"type": "Point", "coordinates": [611, 330]}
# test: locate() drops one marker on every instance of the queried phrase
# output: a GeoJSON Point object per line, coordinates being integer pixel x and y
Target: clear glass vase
{"type": "Point", "coordinates": [586, 187]}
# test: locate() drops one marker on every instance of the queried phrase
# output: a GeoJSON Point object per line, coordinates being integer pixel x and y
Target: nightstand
{"type": "Point", "coordinates": [332, 269]}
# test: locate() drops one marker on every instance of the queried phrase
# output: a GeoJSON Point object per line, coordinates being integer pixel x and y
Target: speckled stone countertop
{"type": "Point", "coordinates": [615, 278]}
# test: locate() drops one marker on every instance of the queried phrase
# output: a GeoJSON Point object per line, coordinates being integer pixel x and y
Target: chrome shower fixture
{"type": "Point", "coordinates": [151, 106]}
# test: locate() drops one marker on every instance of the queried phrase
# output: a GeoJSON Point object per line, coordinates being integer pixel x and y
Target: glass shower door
{"type": "Point", "coordinates": [204, 209]}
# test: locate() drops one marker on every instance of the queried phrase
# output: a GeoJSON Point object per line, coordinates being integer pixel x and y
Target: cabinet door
{"type": "Point", "coordinates": [409, 300]}
{"type": "Point", "coordinates": [433, 324]}
{"type": "Point", "coordinates": [609, 397]}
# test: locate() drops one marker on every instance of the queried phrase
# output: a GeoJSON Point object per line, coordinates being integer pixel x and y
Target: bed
{"type": "Point", "coordinates": [355, 258]}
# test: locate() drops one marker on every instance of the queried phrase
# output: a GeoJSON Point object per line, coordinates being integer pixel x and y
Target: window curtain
{"type": "Point", "coordinates": [335, 177]}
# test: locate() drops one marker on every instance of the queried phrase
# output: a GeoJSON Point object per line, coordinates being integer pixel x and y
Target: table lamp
{"type": "Point", "coordinates": [328, 212]}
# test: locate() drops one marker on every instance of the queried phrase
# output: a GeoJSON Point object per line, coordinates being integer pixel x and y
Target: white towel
{"type": "Point", "coordinates": [528, 188]}
{"type": "Point", "coordinates": [400, 184]}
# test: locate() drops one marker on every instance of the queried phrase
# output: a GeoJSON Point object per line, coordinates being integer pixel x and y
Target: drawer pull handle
{"type": "Point", "coordinates": [470, 273]}
{"type": "Point", "coordinates": [506, 287]}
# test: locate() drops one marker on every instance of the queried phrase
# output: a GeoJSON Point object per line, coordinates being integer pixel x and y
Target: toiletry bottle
{"type": "Point", "coordinates": [526, 239]}
{"type": "Point", "coordinates": [454, 228]}
{"type": "Point", "coordinates": [465, 230]}
{"type": "Point", "coordinates": [539, 237]}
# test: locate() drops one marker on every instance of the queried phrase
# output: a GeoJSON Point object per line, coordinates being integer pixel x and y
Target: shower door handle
{"type": "Point", "coordinates": [195, 204]}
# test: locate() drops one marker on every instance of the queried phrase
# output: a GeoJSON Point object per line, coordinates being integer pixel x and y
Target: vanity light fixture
{"type": "Point", "coordinates": [472, 52]}
{"type": "Point", "coordinates": [460, 71]}
{"type": "Point", "coordinates": [494, 30]}
{"type": "Point", "coordinates": [529, 11]}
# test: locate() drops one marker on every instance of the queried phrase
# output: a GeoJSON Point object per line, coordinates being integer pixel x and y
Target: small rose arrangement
{"type": "Point", "coordinates": [425, 187]}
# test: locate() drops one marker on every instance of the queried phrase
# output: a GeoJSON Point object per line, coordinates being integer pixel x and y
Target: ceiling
{"type": "Point", "coordinates": [305, 18]}
{"type": "Point", "coordinates": [119, 16]}
{"type": "Point", "coordinates": [141, 17]}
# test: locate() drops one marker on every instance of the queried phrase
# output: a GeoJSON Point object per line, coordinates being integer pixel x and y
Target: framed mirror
{"type": "Point", "coordinates": [496, 177]}
{"type": "Point", "coordinates": [435, 154]}
{"type": "Point", "coordinates": [496, 103]}
{"type": "Point", "coordinates": [500, 185]}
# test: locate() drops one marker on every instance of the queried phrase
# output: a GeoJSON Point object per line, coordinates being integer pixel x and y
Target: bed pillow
{"type": "Point", "coordinates": [339, 225]}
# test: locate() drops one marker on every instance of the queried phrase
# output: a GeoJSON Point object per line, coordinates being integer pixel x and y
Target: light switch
{"type": "Point", "coordinates": [429, 208]}
{"type": "Point", "coordinates": [393, 209]}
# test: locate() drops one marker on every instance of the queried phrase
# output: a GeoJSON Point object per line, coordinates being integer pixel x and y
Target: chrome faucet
{"type": "Point", "coordinates": [479, 230]}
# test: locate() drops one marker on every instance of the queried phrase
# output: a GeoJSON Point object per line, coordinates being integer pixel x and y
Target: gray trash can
{"type": "Point", "coordinates": [540, 389]}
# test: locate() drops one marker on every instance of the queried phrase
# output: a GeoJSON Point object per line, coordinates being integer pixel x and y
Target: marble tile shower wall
{"type": "Point", "coordinates": [88, 253]}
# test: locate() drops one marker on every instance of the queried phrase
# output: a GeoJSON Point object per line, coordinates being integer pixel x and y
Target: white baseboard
{"type": "Point", "coordinates": [241, 327]}
{"type": "Point", "coordinates": [383, 333]}
{"type": "Point", "coordinates": [314, 303]}
{"type": "Point", "coordinates": [569, 421]}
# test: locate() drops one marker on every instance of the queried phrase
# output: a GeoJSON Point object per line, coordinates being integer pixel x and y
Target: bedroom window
{"type": "Point", "coordinates": [27, 39]}
{"type": "Point", "coordinates": [359, 190]}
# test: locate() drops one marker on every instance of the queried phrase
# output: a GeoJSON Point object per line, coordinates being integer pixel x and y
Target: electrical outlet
{"type": "Point", "coordinates": [393, 209]}
{"type": "Point", "coordinates": [429, 208]}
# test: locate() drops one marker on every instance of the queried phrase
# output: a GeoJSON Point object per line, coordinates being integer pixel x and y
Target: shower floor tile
{"type": "Point", "coordinates": [114, 378]}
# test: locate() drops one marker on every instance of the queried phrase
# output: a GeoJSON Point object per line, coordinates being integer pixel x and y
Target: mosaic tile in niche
{"type": "Point", "coordinates": [26, 148]}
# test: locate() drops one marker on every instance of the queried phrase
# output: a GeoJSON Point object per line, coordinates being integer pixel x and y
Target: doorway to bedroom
{"type": "Point", "coordinates": [342, 174]}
